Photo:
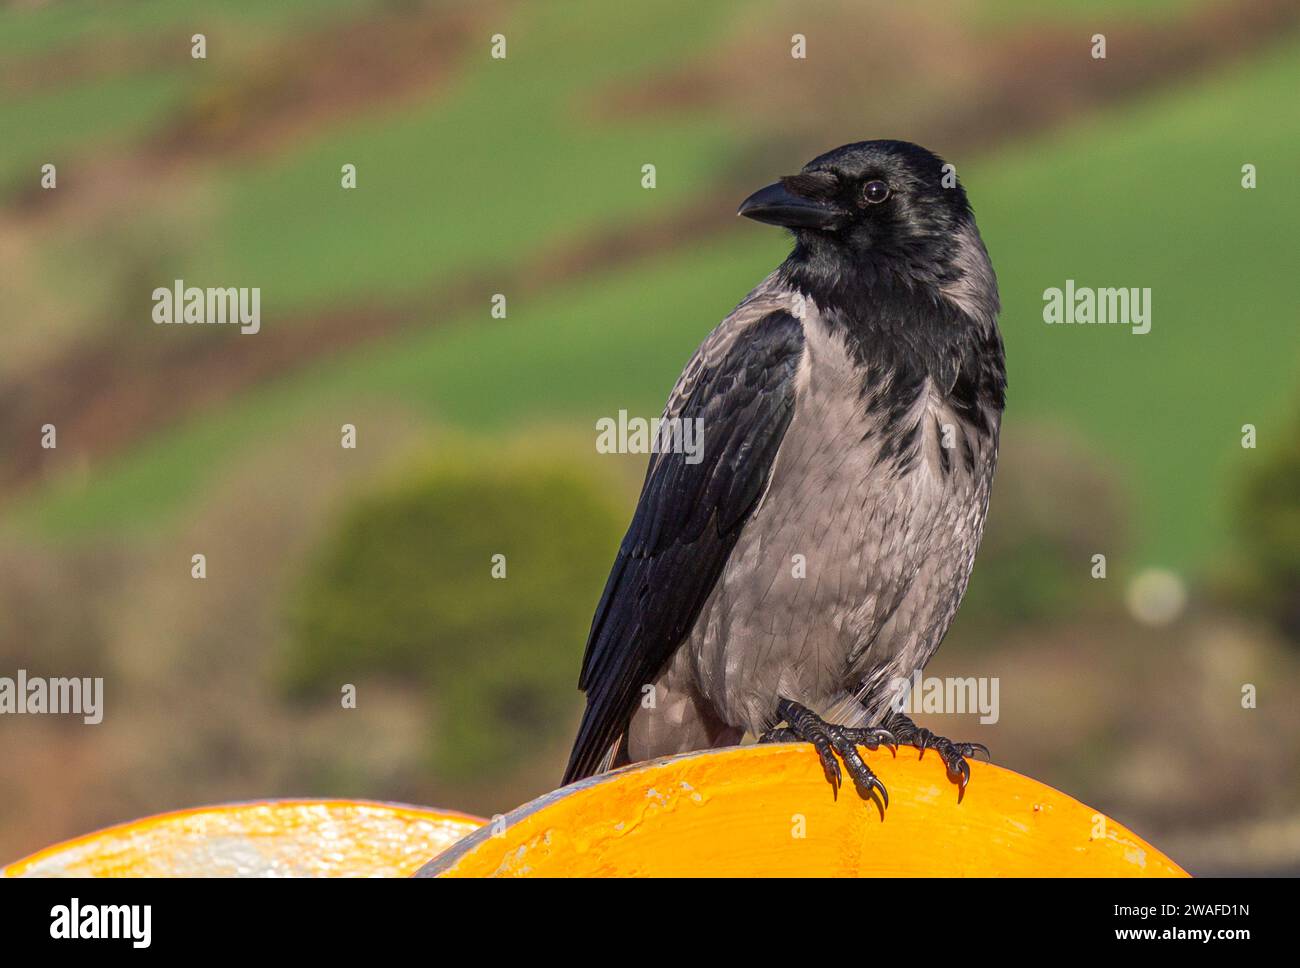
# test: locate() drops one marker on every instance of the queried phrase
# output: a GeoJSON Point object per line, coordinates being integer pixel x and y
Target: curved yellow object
{"type": "Point", "coordinates": [270, 838]}
{"type": "Point", "coordinates": [769, 811]}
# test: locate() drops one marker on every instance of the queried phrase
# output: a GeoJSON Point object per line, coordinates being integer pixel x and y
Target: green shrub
{"type": "Point", "coordinates": [1268, 512]}
{"type": "Point", "coordinates": [403, 587]}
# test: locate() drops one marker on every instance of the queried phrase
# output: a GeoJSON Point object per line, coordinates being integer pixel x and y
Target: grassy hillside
{"type": "Point", "coordinates": [1146, 196]}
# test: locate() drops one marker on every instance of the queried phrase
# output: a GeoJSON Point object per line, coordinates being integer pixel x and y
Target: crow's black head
{"type": "Point", "coordinates": [875, 211]}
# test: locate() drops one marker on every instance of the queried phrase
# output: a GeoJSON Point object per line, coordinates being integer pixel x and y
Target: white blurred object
{"type": "Point", "coordinates": [1156, 596]}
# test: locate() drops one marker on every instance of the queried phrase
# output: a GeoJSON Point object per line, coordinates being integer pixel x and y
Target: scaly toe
{"type": "Point", "coordinates": [779, 734]}
{"type": "Point", "coordinates": [872, 737]}
{"type": "Point", "coordinates": [864, 779]}
{"type": "Point", "coordinates": [830, 766]}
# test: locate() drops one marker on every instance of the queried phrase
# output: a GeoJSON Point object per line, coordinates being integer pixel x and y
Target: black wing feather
{"type": "Point", "coordinates": [685, 526]}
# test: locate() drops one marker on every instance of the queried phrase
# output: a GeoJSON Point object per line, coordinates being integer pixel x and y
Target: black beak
{"type": "Point", "coordinates": [777, 205]}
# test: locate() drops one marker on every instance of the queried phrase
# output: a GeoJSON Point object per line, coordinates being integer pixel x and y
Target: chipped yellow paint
{"type": "Point", "coordinates": [741, 812]}
{"type": "Point", "coordinates": [273, 838]}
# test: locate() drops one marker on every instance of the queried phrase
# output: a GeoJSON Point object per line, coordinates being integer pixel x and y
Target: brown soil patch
{"type": "Point", "coordinates": [100, 59]}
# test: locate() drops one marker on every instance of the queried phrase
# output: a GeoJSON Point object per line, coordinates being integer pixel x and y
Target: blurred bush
{"type": "Point", "coordinates": [1268, 510]}
{"type": "Point", "coordinates": [404, 588]}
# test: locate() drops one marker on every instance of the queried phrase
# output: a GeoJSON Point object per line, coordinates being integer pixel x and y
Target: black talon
{"type": "Point", "coordinates": [960, 769]}
{"type": "Point", "coordinates": [830, 765]}
{"type": "Point", "coordinates": [863, 778]}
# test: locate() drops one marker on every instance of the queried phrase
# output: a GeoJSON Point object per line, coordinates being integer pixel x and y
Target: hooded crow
{"type": "Point", "coordinates": [781, 586]}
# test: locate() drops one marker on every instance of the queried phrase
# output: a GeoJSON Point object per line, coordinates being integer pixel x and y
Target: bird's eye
{"type": "Point", "coordinates": [875, 192]}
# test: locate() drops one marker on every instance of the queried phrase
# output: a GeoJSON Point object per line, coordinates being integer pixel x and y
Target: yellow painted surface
{"type": "Point", "coordinates": [768, 810]}
{"type": "Point", "coordinates": [274, 838]}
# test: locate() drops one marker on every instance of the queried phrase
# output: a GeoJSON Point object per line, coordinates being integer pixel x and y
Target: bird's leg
{"type": "Point", "coordinates": [803, 725]}
{"type": "Point", "coordinates": [953, 754]}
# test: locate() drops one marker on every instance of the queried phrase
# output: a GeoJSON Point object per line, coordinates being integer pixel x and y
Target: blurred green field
{"type": "Point", "coordinates": [1003, 11]}
{"type": "Point", "coordinates": [47, 27]}
{"type": "Point", "coordinates": [1145, 195]}
{"type": "Point", "coordinates": [40, 128]}
{"type": "Point", "coordinates": [57, 118]}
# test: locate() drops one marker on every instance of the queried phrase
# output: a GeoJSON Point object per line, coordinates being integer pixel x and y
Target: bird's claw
{"type": "Point", "coordinates": [828, 739]}
{"type": "Point", "coordinates": [953, 754]}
